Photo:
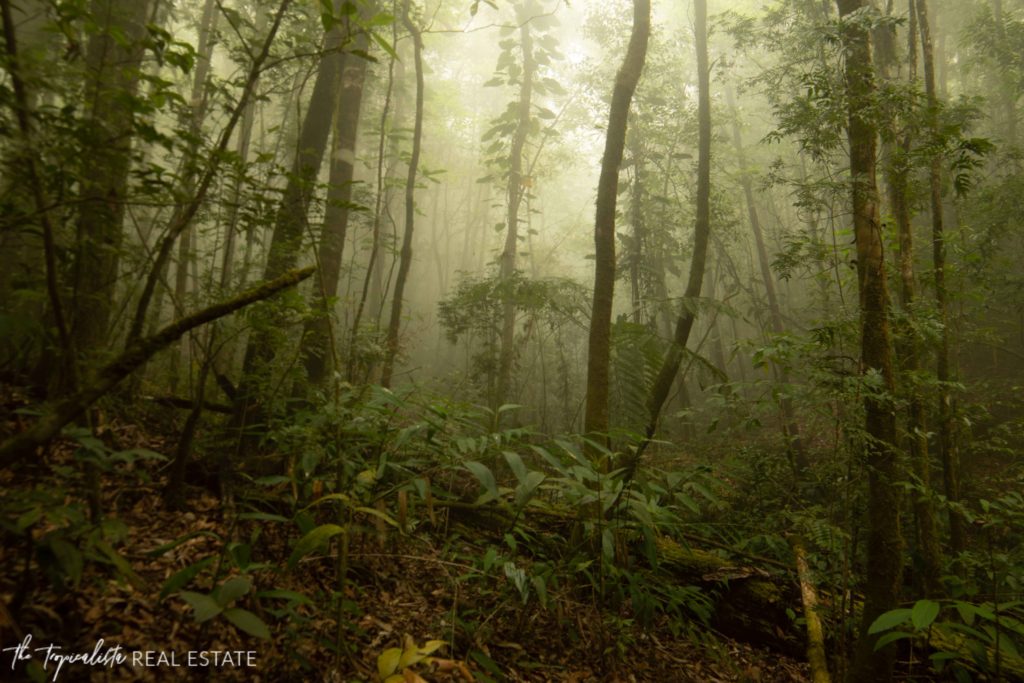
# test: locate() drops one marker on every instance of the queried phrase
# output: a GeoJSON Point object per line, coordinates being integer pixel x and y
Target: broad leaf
{"type": "Point", "coordinates": [889, 620]}
{"type": "Point", "coordinates": [313, 540]}
{"type": "Point", "coordinates": [248, 622]}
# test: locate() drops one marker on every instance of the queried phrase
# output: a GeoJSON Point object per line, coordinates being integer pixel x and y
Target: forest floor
{"type": "Point", "coordinates": [401, 589]}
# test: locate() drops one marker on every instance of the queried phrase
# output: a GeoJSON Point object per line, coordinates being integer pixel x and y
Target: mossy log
{"type": "Point", "coordinates": [750, 603]}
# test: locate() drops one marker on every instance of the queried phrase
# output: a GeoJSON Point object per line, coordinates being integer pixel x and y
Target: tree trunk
{"type": "Point", "coordinates": [515, 192]}
{"type": "Point", "coordinates": [790, 427]}
{"type": "Point", "coordinates": [907, 344]}
{"type": "Point", "coordinates": [112, 60]}
{"type": "Point", "coordinates": [181, 353]}
{"type": "Point", "coordinates": [405, 256]}
{"type": "Point", "coordinates": [599, 348]}
{"type": "Point", "coordinates": [701, 234]}
{"type": "Point", "coordinates": [372, 281]}
{"type": "Point", "coordinates": [317, 336]}
{"type": "Point", "coordinates": [291, 220]}
{"type": "Point", "coordinates": [884, 560]}
{"type": "Point", "coordinates": [949, 453]}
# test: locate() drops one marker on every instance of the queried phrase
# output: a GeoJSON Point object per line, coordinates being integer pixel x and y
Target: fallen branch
{"type": "Point", "coordinates": [815, 632]}
{"type": "Point", "coordinates": [137, 353]}
{"type": "Point", "coordinates": [188, 404]}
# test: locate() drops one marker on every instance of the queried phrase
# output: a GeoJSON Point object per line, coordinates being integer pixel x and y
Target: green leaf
{"type": "Point", "coordinates": [890, 637]}
{"type": "Point", "coordinates": [160, 550]}
{"type": "Point", "coordinates": [889, 620]}
{"type": "Point", "coordinates": [232, 589]}
{"type": "Point", "coordinates": [515, 462]}
{"type": "Point", "coordinates": [485, 476]}
{"type": "Point", "coordinates": [313, 540]}
{"type": "Point", "coordinates": [923, 614]}
{"type": "Point", "coordinates": [203, 606]}
{"type": "Point", "coordinates": [384, 45]}
{"type": "Point", "coordinates": [183, 577]}
{"type": "Point", "coordinates": [248, 622]}
{"type": "Point", "coordinates": [263, 517]}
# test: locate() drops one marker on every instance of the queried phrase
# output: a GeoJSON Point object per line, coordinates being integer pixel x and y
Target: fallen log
{"type": "Point", "coordinates": [815, 632]}
{"type": "Point", "coordinates": [188, 404]}
{"type": "Point", "coordinates": [750, 603]}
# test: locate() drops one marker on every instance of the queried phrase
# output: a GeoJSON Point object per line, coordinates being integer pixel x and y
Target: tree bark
{"type": "Point", "coordinates": [317, 336]}
{"type": "Point", "coordinates": [112, 77]}
{"type": "Point", "coordinates": [884, 544]}
{"type": "Point", "coordinates": [949, 453]}
{"type": "Point", "coordinates": [405, 256]}
{"type": "Point", "coordinates": [291, 220]}
{"type": "Point", "coordinates": [897, 152]}
{"type": "Point", "coordinates": [599, 347]}
{"type": "Point", "coordinates": [516, 190]}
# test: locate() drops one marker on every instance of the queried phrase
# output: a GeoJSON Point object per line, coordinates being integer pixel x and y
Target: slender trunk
{"type": "Point", "coordinates": [112, 77]}
{"type": "Point", "coordinates": [1008, 95]}
{"type": "Point", "coordinates": [946, 440]}
{"type": "Point", "coordinates": [193, 120]}
{"type": "Point", "coordinates": [405, 256]}
{"type": "Point", "coordinates": [183, 219]}
{"type": "Point", "coordinates": [515, 192]}
{"type": "Point", "coordinates": [639, 229]}
{"type": "Point", "coordinates": [907, 345]}
{"type": "Point", "coordinates": [67, 376]}
{"type": "Point", "coordinates": [884, 544]}
{"type": "Point", "coordinates": [701, 234]}
{"type": "Point", "coordinates": [289, 227]}
{"type": "Point", "coordinates": [790, 427]}
{"type": "Point", "coordinates": [372, 281]}
{"type": "Point", "coordinates": [599, 348]}
{"type": "Point", "coordinates": [316, 339]}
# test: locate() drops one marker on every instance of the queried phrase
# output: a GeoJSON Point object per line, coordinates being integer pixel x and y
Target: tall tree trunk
{"type": "Point", "coordinates": [884, 544]}
{"type": "Point", "coordinates": [23, 105]}
{"type": "Point", "coordinates": [405, 256]}
{"type": "Point", "coordinates": [790, 427]}
{"type": "Point", "coordinates": [595, 417]}
{"type": "Point", "coordinates": [515, 192]}
{"type": "Point", "coordinates": [701, 234]}
{"type": "Point", "coordinates": [316, 339]}
{"type": "Point", "coordinates": [180, 352]}
{"type": "Point", "coordinates": [1008, 95]}
{"type": "Point", "coordinates": [289, 227]}
{"type": "Point", "coordinates": [949, 453]}
{"type": "Point", "coordinates": [112, 60]}
{"type": "Point", "coordinates": [907, 344]}
{"type": "Point", "coordinates": [372, 281]}
{"type": "Point", "coordinates": [639, 229]}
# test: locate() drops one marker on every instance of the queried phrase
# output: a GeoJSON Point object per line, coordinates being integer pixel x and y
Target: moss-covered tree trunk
{"type": "Point", "coordinates": [884, 544]}
{"type": "Point", "coordinates": [946, 441]}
